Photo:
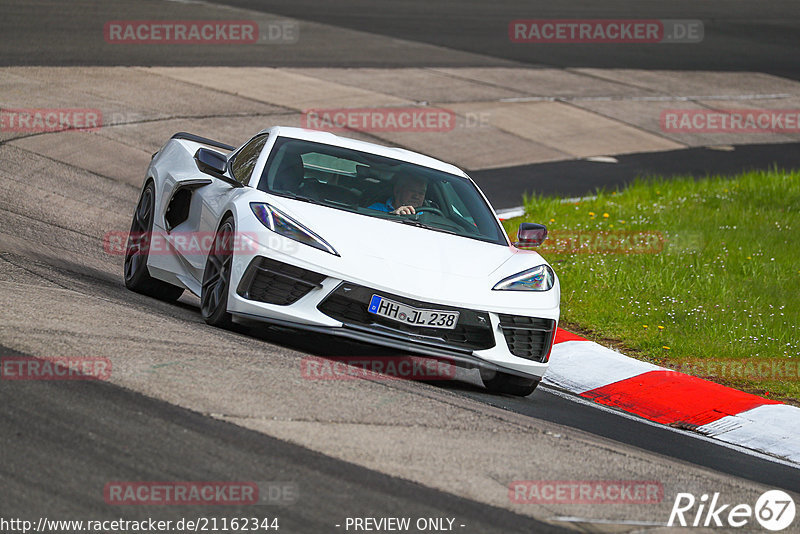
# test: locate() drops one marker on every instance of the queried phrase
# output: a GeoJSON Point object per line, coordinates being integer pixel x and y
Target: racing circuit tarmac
{"type": "Point", "coordinates": [189, 402]}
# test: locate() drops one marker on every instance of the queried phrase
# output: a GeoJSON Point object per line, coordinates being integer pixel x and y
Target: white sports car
{"type": "Point", "coordinates": [310, 230]}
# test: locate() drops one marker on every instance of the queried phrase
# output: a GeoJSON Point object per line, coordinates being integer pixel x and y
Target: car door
{"type": "Point", "coordinates": [209, 198]}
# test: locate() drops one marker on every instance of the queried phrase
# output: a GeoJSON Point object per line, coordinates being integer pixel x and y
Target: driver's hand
{"type": "Point", "coordinates": [404, 210]}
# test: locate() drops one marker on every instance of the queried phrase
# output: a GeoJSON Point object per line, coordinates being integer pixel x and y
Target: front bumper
{"type": "Point", "coordinates": [392, 340]}
{"type": "Point", "coordinates": [272, 291]}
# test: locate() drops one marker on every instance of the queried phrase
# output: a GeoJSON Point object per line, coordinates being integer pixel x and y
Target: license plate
{"type": "Point", "coordinates": [403, 313]}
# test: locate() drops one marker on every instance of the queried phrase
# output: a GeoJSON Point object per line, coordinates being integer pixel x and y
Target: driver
{"type": "Point", "coordinates": [409, 192]}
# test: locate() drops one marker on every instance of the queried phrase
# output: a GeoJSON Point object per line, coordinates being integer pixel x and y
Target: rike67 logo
{"type": "Point", "coordinates": [774, 510]}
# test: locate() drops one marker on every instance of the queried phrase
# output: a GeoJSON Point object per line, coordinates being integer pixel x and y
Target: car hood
{"type": "Point", "coordinates": [415, 262]}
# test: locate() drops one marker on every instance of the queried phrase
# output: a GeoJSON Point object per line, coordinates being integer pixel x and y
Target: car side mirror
{"type": "Point", "coordinates": [531, 235]}
{"type": "Point", "coordinates": [211, 162]}
{"type": "Point", "coordinates": [214, 164]}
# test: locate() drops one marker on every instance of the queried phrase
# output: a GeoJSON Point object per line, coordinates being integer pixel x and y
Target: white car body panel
{"type": "Point", "coordinates": [423, 265]}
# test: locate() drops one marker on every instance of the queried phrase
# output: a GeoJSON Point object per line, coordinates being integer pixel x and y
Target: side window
{"type": "Point", "coordinates": [244, 161]}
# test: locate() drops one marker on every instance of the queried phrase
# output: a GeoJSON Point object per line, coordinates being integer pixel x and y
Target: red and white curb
{"type": "Point", "coordinates": [661, 395]}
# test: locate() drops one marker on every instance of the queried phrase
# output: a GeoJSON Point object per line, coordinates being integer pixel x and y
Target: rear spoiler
{"type": "Point", "coordinates": [203, 140]}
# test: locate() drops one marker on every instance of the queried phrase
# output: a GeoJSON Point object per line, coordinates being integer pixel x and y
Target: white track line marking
{"type": "Point", "coordinates": [664, 98]}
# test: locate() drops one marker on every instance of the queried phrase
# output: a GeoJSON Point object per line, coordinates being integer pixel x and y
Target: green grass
{"type": "Point", "coordinates": [725, 286]}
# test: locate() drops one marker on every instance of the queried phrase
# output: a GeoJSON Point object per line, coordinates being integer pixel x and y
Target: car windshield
{"type": "Point", "coordinates": [377, 186]}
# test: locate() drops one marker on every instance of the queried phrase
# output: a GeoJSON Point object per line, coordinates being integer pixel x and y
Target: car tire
{"type": "Point", "coordinates": [498, 382]}
{"type": "Point", "coordinates": [137, 250]}
{"type": "Point", "coordinates": [217, 277]}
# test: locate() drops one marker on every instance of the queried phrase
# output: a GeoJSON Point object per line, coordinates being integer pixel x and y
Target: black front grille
{"type": "Point", "coordinates": [275, 282]}
{"type": "Point", "coordinates": [349, 302]}
{"type": "Point", "coordinates": [528, 337]}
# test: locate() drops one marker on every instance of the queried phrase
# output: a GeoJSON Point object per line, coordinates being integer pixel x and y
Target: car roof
{"type": "Point", "coordinates": [363, 146]}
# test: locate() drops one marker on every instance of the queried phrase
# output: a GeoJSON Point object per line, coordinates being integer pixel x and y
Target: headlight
{"type": "Point", "coordinates": [539, 278]}
{"type": "Point", "coordinates": [282, 224]}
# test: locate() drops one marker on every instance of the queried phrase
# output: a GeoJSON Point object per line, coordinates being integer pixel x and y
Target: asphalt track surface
{"type": "Point", "coordinates": [577, 178]}
{"type": "Point", "coordinates": [61, 442]}
{"type": "Point", "coordinates": [739, 35]}
{"type": "Point", "coordinates": [735, 32]}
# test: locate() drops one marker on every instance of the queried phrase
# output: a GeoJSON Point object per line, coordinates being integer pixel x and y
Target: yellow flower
{"type": "Point", "coordinates": [749, 257]}
{"type": "Point", "coordinates": [622, 222]}
{"type": "Point", "coordinates": [591, 214]}
{"type": "Point", "coordinates": [665, 347]}
{"type": "Point", "coordinates": [660, 327]}
{"type": "Point", "coordinates": [552, 220]}
{"type": "Point", "coordinates": [611, 226]}
{"type": "Point", "coordinates": [644, 326]}
{"type": "Point", "coordinates": [605, 215]}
